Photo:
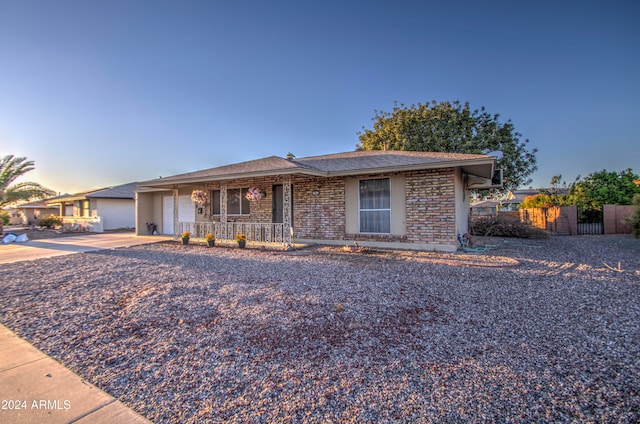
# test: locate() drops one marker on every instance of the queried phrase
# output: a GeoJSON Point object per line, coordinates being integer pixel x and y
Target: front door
{"type": "Point", "coordinates": [277, 205]}
{"type": "Point", "coordinates": [186, 212]}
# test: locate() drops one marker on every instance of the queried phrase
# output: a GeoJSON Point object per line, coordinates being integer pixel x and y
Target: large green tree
{"type": "Point", "coordinates": [606, 188]}
{"type": "Point", "coordinates": [454, 128]}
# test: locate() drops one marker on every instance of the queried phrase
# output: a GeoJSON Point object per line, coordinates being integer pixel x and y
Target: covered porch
{"type": "Point", "coordinates": [260, 208]}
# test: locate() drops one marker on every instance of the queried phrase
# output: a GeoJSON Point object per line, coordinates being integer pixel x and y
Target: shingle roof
{"type": "Point", "coordinates": [372, 159]}
{"type": "Point", "coordinates": [124, 191]}
{"type": "Point", "coordinates": [268, 164]}
{"type": "Point", "coordinates": [354, 163]}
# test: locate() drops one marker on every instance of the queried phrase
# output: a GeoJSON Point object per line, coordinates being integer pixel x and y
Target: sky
{"type": "Point", "coordinates": [101, 93]}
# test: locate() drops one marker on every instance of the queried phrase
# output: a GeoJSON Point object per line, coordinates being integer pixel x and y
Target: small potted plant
{"type": "Point", "coordinates": [211, 240]}
{"type": "Point", "coordinates": [185, 237]}
{"type": "Point", "coordinates": [242, 240]}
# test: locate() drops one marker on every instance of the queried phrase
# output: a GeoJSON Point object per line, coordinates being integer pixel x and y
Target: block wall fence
{"type": "Point", "coordinates": [564, 219]}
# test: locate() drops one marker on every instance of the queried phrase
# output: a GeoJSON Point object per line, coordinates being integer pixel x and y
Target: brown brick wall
{"type": "Point", "coordinates": [319, 207]}
{"type": "Point", "coordinates": [260, 211]}
{"type": "Point", "coordinates": [431, 206]}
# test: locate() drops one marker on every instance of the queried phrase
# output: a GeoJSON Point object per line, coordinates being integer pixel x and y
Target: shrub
{"type": "Point", "coordinates": [634, 218]}
{"type": "Point", "coordinates": [5, 218]}
{"type": "Point", "coordinates": [504, 226]}
{"type": "Point", "coordinates": [50, 221]}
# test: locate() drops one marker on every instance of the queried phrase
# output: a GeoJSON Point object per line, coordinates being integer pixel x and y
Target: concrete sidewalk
{"type": "Point", "coordinates": [36, 389]}
{"type": "Point", "coordinates": [46, 248]}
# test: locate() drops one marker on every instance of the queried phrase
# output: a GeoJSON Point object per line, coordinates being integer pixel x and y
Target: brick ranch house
{"type": "Point", "coordinates": [410, 200]}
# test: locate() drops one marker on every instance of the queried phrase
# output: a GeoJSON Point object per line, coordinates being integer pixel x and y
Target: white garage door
{"type": "Point", "coordinates": [186, 212]}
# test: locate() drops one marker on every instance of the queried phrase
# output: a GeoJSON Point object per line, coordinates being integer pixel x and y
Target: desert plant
{"type": "Point", "coordinates": [50, 222]}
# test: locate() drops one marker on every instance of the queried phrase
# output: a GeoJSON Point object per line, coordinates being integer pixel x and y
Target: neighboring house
{"type": "Point", "coordinates": [414, 200]}
{"type": "Point", "coordinates": [515, 197]}
{"type": "Point", "coordinates": [485, 207]}
{"type": "Point", "coordinates": [30, 213]}
{"type": "Point", "coordinates": [108, 208]}
{"type": "Point", "coordinates": [510, 203]}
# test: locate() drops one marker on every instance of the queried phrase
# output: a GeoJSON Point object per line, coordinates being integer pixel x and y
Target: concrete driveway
{"type": "Point", "coordinates": [46, 248]}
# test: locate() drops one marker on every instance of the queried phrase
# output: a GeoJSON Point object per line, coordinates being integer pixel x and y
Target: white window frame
{"type": "Point", "coordinates": [360, 210]}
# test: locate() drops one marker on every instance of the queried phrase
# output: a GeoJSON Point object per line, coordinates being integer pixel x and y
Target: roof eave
{"type": "Point", "coordinates": [66, 199]}
{"type": "Point", "coordinates": [112, 197]}
{"type": "Point", "coordinates": [418, 167]}
{"type": "Point", "coordinates": [177, 182]}
{"type": "Point", "coordinates": [170, 183]}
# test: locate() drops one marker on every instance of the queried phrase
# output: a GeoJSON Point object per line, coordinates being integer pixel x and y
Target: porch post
{"type": "Point", "coordinates": [286, 208]}
{"type": "Point", "coordinates": [175, 212]}
{"type": "Point", "coordinates": [223, 211]}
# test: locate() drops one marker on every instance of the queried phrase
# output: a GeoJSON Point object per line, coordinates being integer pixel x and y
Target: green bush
{"type": "Point", "coordinates": [50, 222]}
{"type": "Point", "coordinates": [634, 218]}
{"type": "Point", "coordinates": [5, 217]}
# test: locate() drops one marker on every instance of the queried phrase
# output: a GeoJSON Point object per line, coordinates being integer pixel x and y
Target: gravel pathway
{"type": "Point", "coordinates": [532, 331]}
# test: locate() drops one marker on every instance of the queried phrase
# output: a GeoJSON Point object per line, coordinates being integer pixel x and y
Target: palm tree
{"type": "Point", "coordinates": [12, 167]}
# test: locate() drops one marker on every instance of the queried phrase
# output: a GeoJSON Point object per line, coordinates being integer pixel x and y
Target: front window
{"type": "Point", "coordinates": [375, 206]}
{"type": "Point", "coordinates": [237, 203]}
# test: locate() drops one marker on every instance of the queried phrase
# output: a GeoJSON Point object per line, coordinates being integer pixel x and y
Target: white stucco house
{"type": "Point", "coordinates": [109, 208]}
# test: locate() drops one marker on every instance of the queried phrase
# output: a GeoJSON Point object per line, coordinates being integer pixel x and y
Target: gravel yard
{"type": "Point", "coordinates": [43, 233]}
{"type": "Point", "coordinates": [535, 330]}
